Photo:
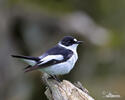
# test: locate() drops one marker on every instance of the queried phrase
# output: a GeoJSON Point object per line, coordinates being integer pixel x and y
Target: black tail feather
{"type": "Point", "coordinates": [27, 68]}
{"type": "Point", "coordinates": [30, 68]}
{"type": "Point", "coordinates": [26, 57]}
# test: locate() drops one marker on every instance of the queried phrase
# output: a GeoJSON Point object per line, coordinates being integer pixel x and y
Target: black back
{"type": "Point", "coordinates": [59, 50]}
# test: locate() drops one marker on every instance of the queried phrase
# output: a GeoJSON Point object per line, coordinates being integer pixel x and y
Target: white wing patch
{"type": "Point", "coordinates": [50, 57]}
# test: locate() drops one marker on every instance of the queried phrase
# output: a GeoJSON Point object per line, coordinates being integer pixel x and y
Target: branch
{"type": "Point", "coordinates": [65, 90]}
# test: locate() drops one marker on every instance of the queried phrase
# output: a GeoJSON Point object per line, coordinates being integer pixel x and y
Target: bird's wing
{"type": "Point", "coordinates": [49, 61]}
{"type": "Point", "coordinates": [46, 61]}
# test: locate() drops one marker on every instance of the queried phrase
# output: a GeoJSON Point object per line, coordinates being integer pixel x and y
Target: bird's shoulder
{"type": "Point", "coordinates": [59, 50]}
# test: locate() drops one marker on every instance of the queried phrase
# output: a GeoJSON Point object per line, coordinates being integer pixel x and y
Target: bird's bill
{"type": "Point", "coordinates": [79, 42]}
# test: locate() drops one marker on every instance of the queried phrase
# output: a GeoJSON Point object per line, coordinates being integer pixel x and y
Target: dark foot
{"type": "Point", "coordinates": [54, 77]}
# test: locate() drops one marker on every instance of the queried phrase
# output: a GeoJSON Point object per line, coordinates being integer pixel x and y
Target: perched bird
{"type": "Point", "coordinates": [58, 60]}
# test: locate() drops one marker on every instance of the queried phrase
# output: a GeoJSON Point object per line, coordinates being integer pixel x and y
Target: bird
{"type": "Point", "coordinates": [59, 60]}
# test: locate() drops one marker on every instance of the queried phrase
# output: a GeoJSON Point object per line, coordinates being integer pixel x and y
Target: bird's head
{"type": "Point", "coordinates": [69, 42]}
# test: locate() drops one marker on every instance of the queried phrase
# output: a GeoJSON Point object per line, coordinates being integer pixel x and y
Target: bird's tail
{"type": "Point", "coordinates": [26, 57]}
{"type": "Point", "coordinates": [30, 60]}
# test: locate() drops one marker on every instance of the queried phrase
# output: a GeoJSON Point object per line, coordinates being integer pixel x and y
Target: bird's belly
{"type": "Point", "coordinates": [61, 68]}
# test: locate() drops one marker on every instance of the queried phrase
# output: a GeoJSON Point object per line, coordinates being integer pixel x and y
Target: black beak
{"type": "Point", "coordinates": [79, 42]}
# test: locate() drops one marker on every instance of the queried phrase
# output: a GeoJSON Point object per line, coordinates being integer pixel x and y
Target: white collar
{"type": "Point", "coordinates": [72, 47]}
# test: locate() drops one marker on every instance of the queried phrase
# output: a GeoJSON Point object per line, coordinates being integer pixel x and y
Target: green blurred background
{"type": "Point", "coordinates": [30, 27]}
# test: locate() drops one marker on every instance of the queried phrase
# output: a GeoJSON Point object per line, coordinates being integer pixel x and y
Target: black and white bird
{"type": "Point", "coordinates": [58, 60]}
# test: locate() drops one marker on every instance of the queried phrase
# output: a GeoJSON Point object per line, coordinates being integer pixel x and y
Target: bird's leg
{"type": "Point", "coordinates": [54, 77]}
{"type": "Point", "coordinates": [57, 78]}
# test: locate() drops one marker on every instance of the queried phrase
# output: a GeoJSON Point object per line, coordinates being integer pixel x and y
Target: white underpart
{"type": "Point", "coordinates": [50, 57]}
{"type": "Point", "coordinates": [65, 67]}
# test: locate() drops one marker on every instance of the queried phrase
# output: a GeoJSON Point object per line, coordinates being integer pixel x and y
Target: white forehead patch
{"type": "Point", "coordinates": [75, 40]}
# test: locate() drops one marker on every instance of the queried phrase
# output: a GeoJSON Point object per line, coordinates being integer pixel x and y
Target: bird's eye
{"type": "Point", "coordinates": [71, 41]}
